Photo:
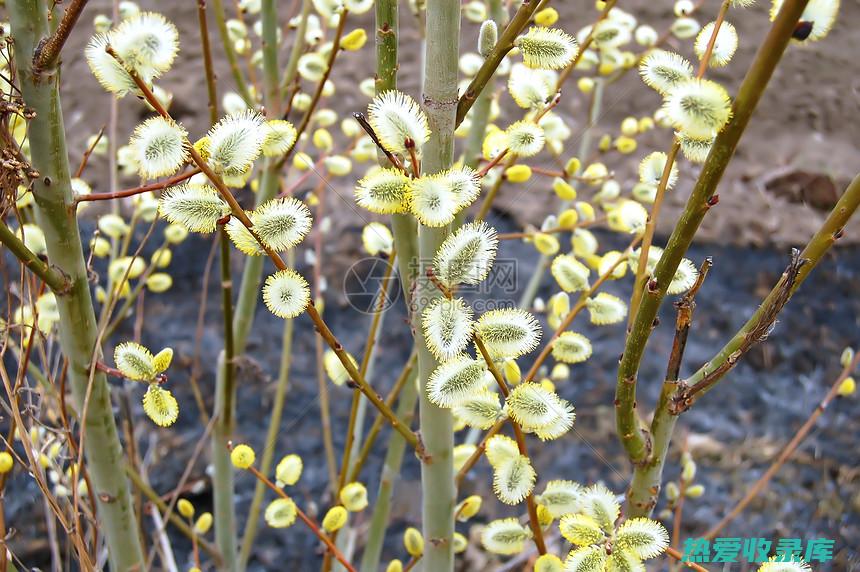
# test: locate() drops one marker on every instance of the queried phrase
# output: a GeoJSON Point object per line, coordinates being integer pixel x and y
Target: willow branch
{"type": "Point", "coordinates": [56, 280]}
{"type": "Point", "coordinates": [159, 186]}
{"type": "Point", "coordinates": [789, 449]}
{"type": "Point", "coordinates": [642, 267]}
{"type": "Point", "coordinates": [205, 45]}
{"type": "Point", "coordinates": [503, 46]}
{"type": "Point", "coordinates": [760, 324]}
{"type": "Point", "coordinates": [315, 99]}
{"type": "Point", "coordinates": [305, 519]}
{"type": "Point", "coordinates": [48, 51]}
{"type": "Point", "coordinates": [630, 430]}
{"type": "Point", "coordinates": [321, 327]}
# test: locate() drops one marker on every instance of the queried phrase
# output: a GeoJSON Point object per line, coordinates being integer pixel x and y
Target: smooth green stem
{"type": "Point", "coordinates": [390, 473]}
{"type": "Point", "coordinates": [230, 52]}
{"type": "Point", "coordinates": [240, 324]}
{"type": "Point", "coordinates": [55, 215]}
{"type": "Point", "coordinates": [437, 428]}
{"type": "Point", "coordinates": [56, 281]}
{"type": "Point", "coordinates": [298, 47]}
{"type": "Point", "coordinates": [634, 437]}
{"type": "Point", "coordinates": [268, 448]}
{"type": "Point", "coordinates": [404, 231]}
{"type": "Point", "coordinates": [225, 413]}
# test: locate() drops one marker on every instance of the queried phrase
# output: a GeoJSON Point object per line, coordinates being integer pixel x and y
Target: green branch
{"type": "Point", "coordinates": [761, 322]}
{"type": "Point", "coordinates": [503, 46]}
{"type": "Point", "coordinates": [77, 326]}
{"type": "Point", "coordinates": [230, 52]}
{"type": "Point", "coordinates": [53, 277]}
{"type": "Point", "coordinates": [634, 437]}
{"type": "Point", "coordinates": [437, 426]}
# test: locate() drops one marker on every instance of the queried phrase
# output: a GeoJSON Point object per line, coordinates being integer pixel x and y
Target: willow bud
{"type": "Point", "coordinates": [487, 38]}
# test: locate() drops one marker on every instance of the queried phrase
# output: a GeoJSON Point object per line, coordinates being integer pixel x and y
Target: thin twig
{"type": "Point", "coordinates": [321, 327]}
{"type": "Point", "coordinates": [159, 186]}
{"type": "Point", "coordinates": [577, 308]}
{"type": "Point", "coordinates": [631, 432]}
{"type": "Point", "coordinates": [89, 152]}
{"type": "Point", "coordinates": [304, 518]}
{"type": "Point", "coordinates": [48, 50]}
{"type": "Point", "coordinates": [763, 481]}
{"type": "Point", "coordinates": [306, 119]}
{"type": "Point", "coordinates": [504, 45]}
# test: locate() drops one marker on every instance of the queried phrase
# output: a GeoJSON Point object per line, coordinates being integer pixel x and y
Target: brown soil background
{"type": "Point", "coordinates": [797, 155]}
{"type": "Point", "coordinates": [806, 129]}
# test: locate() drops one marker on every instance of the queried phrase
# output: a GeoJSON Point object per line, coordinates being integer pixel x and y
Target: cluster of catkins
{"type": "Point", "coordinates": [143, 47]}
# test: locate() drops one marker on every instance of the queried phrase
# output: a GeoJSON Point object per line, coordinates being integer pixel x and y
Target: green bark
{"type": "Point", "coordinates": [55, 215]}
{"type": "Point", "coordinates": [631, 431]}
{"type": "Point", "coordinates": [440, 104]}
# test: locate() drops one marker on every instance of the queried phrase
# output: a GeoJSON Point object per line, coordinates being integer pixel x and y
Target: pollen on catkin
{"type": "Point", "coordinates": [509, 332]}
{"type": "Point", "coordinates": [353, 496]}
{"type": "Point", "coordinates": [396, 118]}
{"type": "Point", "coordinates": [447, 327]}
{"type": "Point", "coordinates": [279, 137]}
{"type": "Point", "coordinates": [513, 479]}
{"type": "Point", "coordinates": [571, 274]}
{"type": "Point", "coordinates": [235, 142]}
{"type": "Point", "coordinates": [242, 456]}
{"type": "Point", "coordinates": [698, 108]}
{"type": "Point", "coordinates": [467, 255]}
{"type": "Point", "coordinates": [281, 513]}
{"type": "Point", "coordinates": [505, 536]}
{"type": "Point", "coordinates": [383, 191]}
{"type": "Point", "coordinates": [547, 48]}
{"type": "Point", "coordinates": [286, 293]}
{"type": "Point", "coordinates": [820, 14]}
{"type": "Point", "coordinates": [147, 42]}
{"type": "Point", "coordinates": [281, 223]}
{"type": "Point", "coordinates": [454, 380]}
{"type": "Point", "coordinates": [480, 409]}
{"type": "Point", "coordinates": [160, 406]}
{"type": "Point", "coordinates": [289, 470]}
{"type": "Point", "coordinates": [335, 519]}
{"type": "Point", "coordinates": [525, 138]}
{"type": "Point", "coordinates": [725, 44]}
{"type": "Point", "coordinates": [160, 146]}
{"type": "Point", "coordinates": [663, 71]}
{"type": "Point", "coordinates": [571, 347]}
{"type": "Point", "coordinates": [134, 361]}
{"type": "Point", "coordinates": [197, 207]}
